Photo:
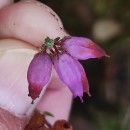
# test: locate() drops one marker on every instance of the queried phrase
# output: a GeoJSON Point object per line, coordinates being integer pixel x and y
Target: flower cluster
{"type": "Point", "coordinates": [63, 54]}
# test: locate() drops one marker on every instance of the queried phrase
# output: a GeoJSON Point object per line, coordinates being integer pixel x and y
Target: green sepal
{"type": "Point", "coordinates": [49, 42]}
{"type": "Point", "coordinates": [56, 39]}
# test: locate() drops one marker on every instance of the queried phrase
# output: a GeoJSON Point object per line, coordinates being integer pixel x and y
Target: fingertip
{"type": "Point", "coordinates": [30, 21]}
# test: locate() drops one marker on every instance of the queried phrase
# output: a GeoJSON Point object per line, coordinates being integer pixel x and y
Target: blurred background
{"type": "Point", "coordinates": [108, 24]}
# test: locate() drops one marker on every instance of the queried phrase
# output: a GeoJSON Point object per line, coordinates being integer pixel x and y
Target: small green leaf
{"type": "Point", "coordinates": [46, 113]}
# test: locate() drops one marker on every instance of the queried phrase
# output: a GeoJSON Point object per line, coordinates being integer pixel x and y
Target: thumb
{"type": "Point", "coordinates": [30, 21]}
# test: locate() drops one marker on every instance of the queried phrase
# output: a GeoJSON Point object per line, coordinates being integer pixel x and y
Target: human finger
{"type": "Point", "coordinates": [30, 21]}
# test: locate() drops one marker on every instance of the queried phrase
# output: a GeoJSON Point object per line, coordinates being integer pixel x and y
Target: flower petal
{"type": "Point", "coordinates": [71, 73]}
{"type": "Point", "coordinates": [82, 48]}
{"type": "Point", "coordinates": [38, 74]}
{"type": "Point", "coordinates": [84, 80]}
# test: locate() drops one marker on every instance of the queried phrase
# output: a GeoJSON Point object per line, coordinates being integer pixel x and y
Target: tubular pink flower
{"type": "Point", "coordinates": [71, 73]}
{"type": "Point", "coordinates": [82, 48]}
{"type": "Point", "coordinates": [39, 73]}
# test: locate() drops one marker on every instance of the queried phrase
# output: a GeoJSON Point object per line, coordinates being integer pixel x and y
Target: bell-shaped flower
{"type": "Point", "coordinates": [71, 73]}
{"type": "Point", "coordinates": [39, 73]}
{"type": "Point", "coordinates": [82, 48]}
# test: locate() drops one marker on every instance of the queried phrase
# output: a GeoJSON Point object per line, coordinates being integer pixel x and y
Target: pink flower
{"type": "Point", "coordinates": [64, 55]}
{"type": "Point", "coordinates": [39, 73]}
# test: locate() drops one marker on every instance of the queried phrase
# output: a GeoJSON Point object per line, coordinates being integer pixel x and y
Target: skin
{"type": "Point", "coordinates": [24, 26]}
{"type": "Point", "coordinates": [4, 3]}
